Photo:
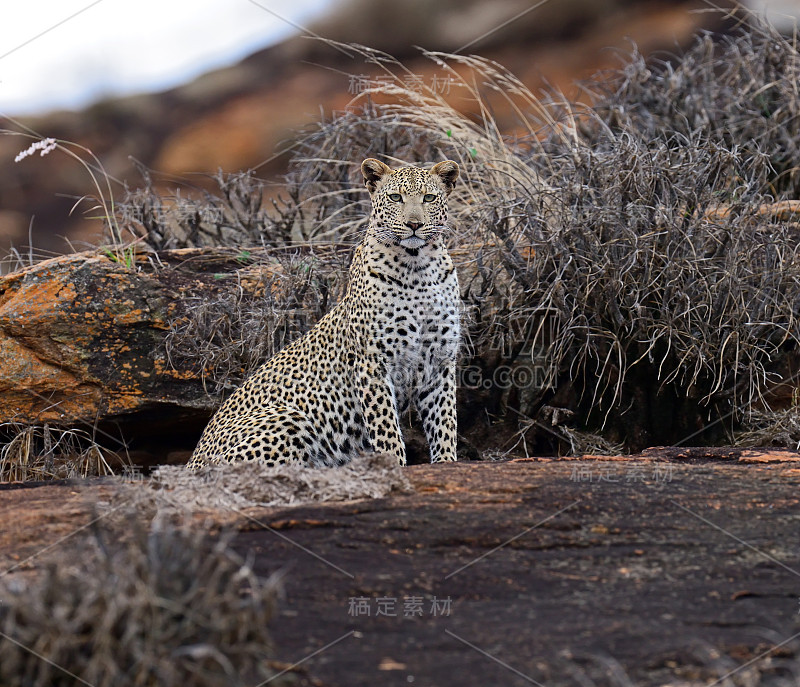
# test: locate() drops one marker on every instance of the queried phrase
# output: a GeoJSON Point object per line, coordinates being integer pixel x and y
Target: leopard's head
{"type": "Point", "coordinates": [409, 205]}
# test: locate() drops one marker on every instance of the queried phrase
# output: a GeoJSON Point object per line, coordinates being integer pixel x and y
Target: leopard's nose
{"type": "Point", "coordinates": [413, 225]}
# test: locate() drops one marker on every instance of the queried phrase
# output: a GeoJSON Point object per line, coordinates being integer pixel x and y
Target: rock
{"type": "Point", "coordinates": [554, 566]}
{"type": "Point", "coordinates": [82, 339]}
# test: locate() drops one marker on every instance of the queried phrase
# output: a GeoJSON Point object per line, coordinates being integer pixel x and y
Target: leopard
{"type": "Point", "coordinates": [390, 343]}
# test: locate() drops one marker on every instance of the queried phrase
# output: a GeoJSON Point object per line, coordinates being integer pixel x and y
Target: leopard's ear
{"type": "Point", "coordinates": [373, 171]}
{"type": "Point", "coordinates": [447, 171]}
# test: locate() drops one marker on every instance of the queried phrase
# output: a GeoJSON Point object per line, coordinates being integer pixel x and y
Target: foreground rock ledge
{"type": "Point", "coordinates": [656, 561]}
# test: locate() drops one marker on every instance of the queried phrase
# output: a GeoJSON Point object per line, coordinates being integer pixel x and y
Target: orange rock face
{"type": "Point", "coordinates": [44, 377]}
{"type": "Point", "coordinates": [80, 340]}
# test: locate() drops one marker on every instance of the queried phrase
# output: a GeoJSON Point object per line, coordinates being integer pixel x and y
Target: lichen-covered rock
{"type": "Point", "coordinates": [81, 336]}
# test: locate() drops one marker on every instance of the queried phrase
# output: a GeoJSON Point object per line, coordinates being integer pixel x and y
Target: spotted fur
{"type": "Point", "coordinates": [391, 341]}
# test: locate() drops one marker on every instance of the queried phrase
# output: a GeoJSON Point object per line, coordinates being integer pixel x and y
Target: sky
{"type": "Point", "coordinates": [65, 54]}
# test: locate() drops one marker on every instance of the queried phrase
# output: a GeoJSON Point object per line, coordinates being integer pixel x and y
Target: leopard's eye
{"type": "Point", "coordinates": [396, 197]}
{"type": "Point", "coordinates": [428, 197]}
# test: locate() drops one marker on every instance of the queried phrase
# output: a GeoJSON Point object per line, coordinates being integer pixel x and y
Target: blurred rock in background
{"type": "Point", "coordinates": [246, 115]}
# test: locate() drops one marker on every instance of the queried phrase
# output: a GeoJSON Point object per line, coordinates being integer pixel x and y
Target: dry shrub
{"type": "Point", "coordinates": [162, 606]}
{"type": "Point", "coordinates": [242, 485]}
{"type": "Point", "coordinates": [739, 92]}
{"type": "Point", "coordinates": [762, 427]}
{"type": "Point", "coordinates": [227, 337]}
{"type": "Point", "coordinates": [235, 216]}
{"type": "Point", "coordinates": [42, 452]}
{"type": "Point", "coordinates": [621, 248]}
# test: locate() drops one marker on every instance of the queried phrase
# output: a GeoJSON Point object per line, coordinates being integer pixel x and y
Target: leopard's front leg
{"type": "Point", "coordinates": [379, 405]}
{"type": "Point", "coordinates": [435, 400]}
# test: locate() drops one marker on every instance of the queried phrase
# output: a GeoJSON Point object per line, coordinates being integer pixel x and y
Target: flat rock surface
{"type": "Point", "coordinates": [675, 566]}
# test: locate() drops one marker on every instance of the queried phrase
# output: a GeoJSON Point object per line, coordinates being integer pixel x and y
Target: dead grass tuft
{"type": "Point", "coordinates": [243, 485]}
{"type": "Point", "coordinates": [42, 452]}
{"type": "Point", "coordinates": [772, 427]}
{"type": "Point", "coordinates": [226, 338]}
{"type": "Point", "coordinates": [233, 216]}
{"type": "Point", "coordinates": [739, 92]}
{"type": "Point", "coordinates": [162, 606]}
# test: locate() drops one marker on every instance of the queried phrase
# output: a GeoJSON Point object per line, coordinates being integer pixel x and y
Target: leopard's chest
{"type": "Point", "coordinates": [411, 317]}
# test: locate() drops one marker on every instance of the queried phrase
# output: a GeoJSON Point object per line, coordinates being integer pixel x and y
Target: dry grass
{"type": "Point", "coordinates": [235, 216]}
{"type": "Point", "coordinates": [162, 606]}
{"type": "Point", "coordinates": [243, 485]}
{"type": "Point", "coordinates": [623, 246]}
{"type": "Point", "coordinates": [772, 427]}
{"type": "Point", "coordinates": [42, 452]}
{"type": "Point", "coordinates": [225, 338]}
